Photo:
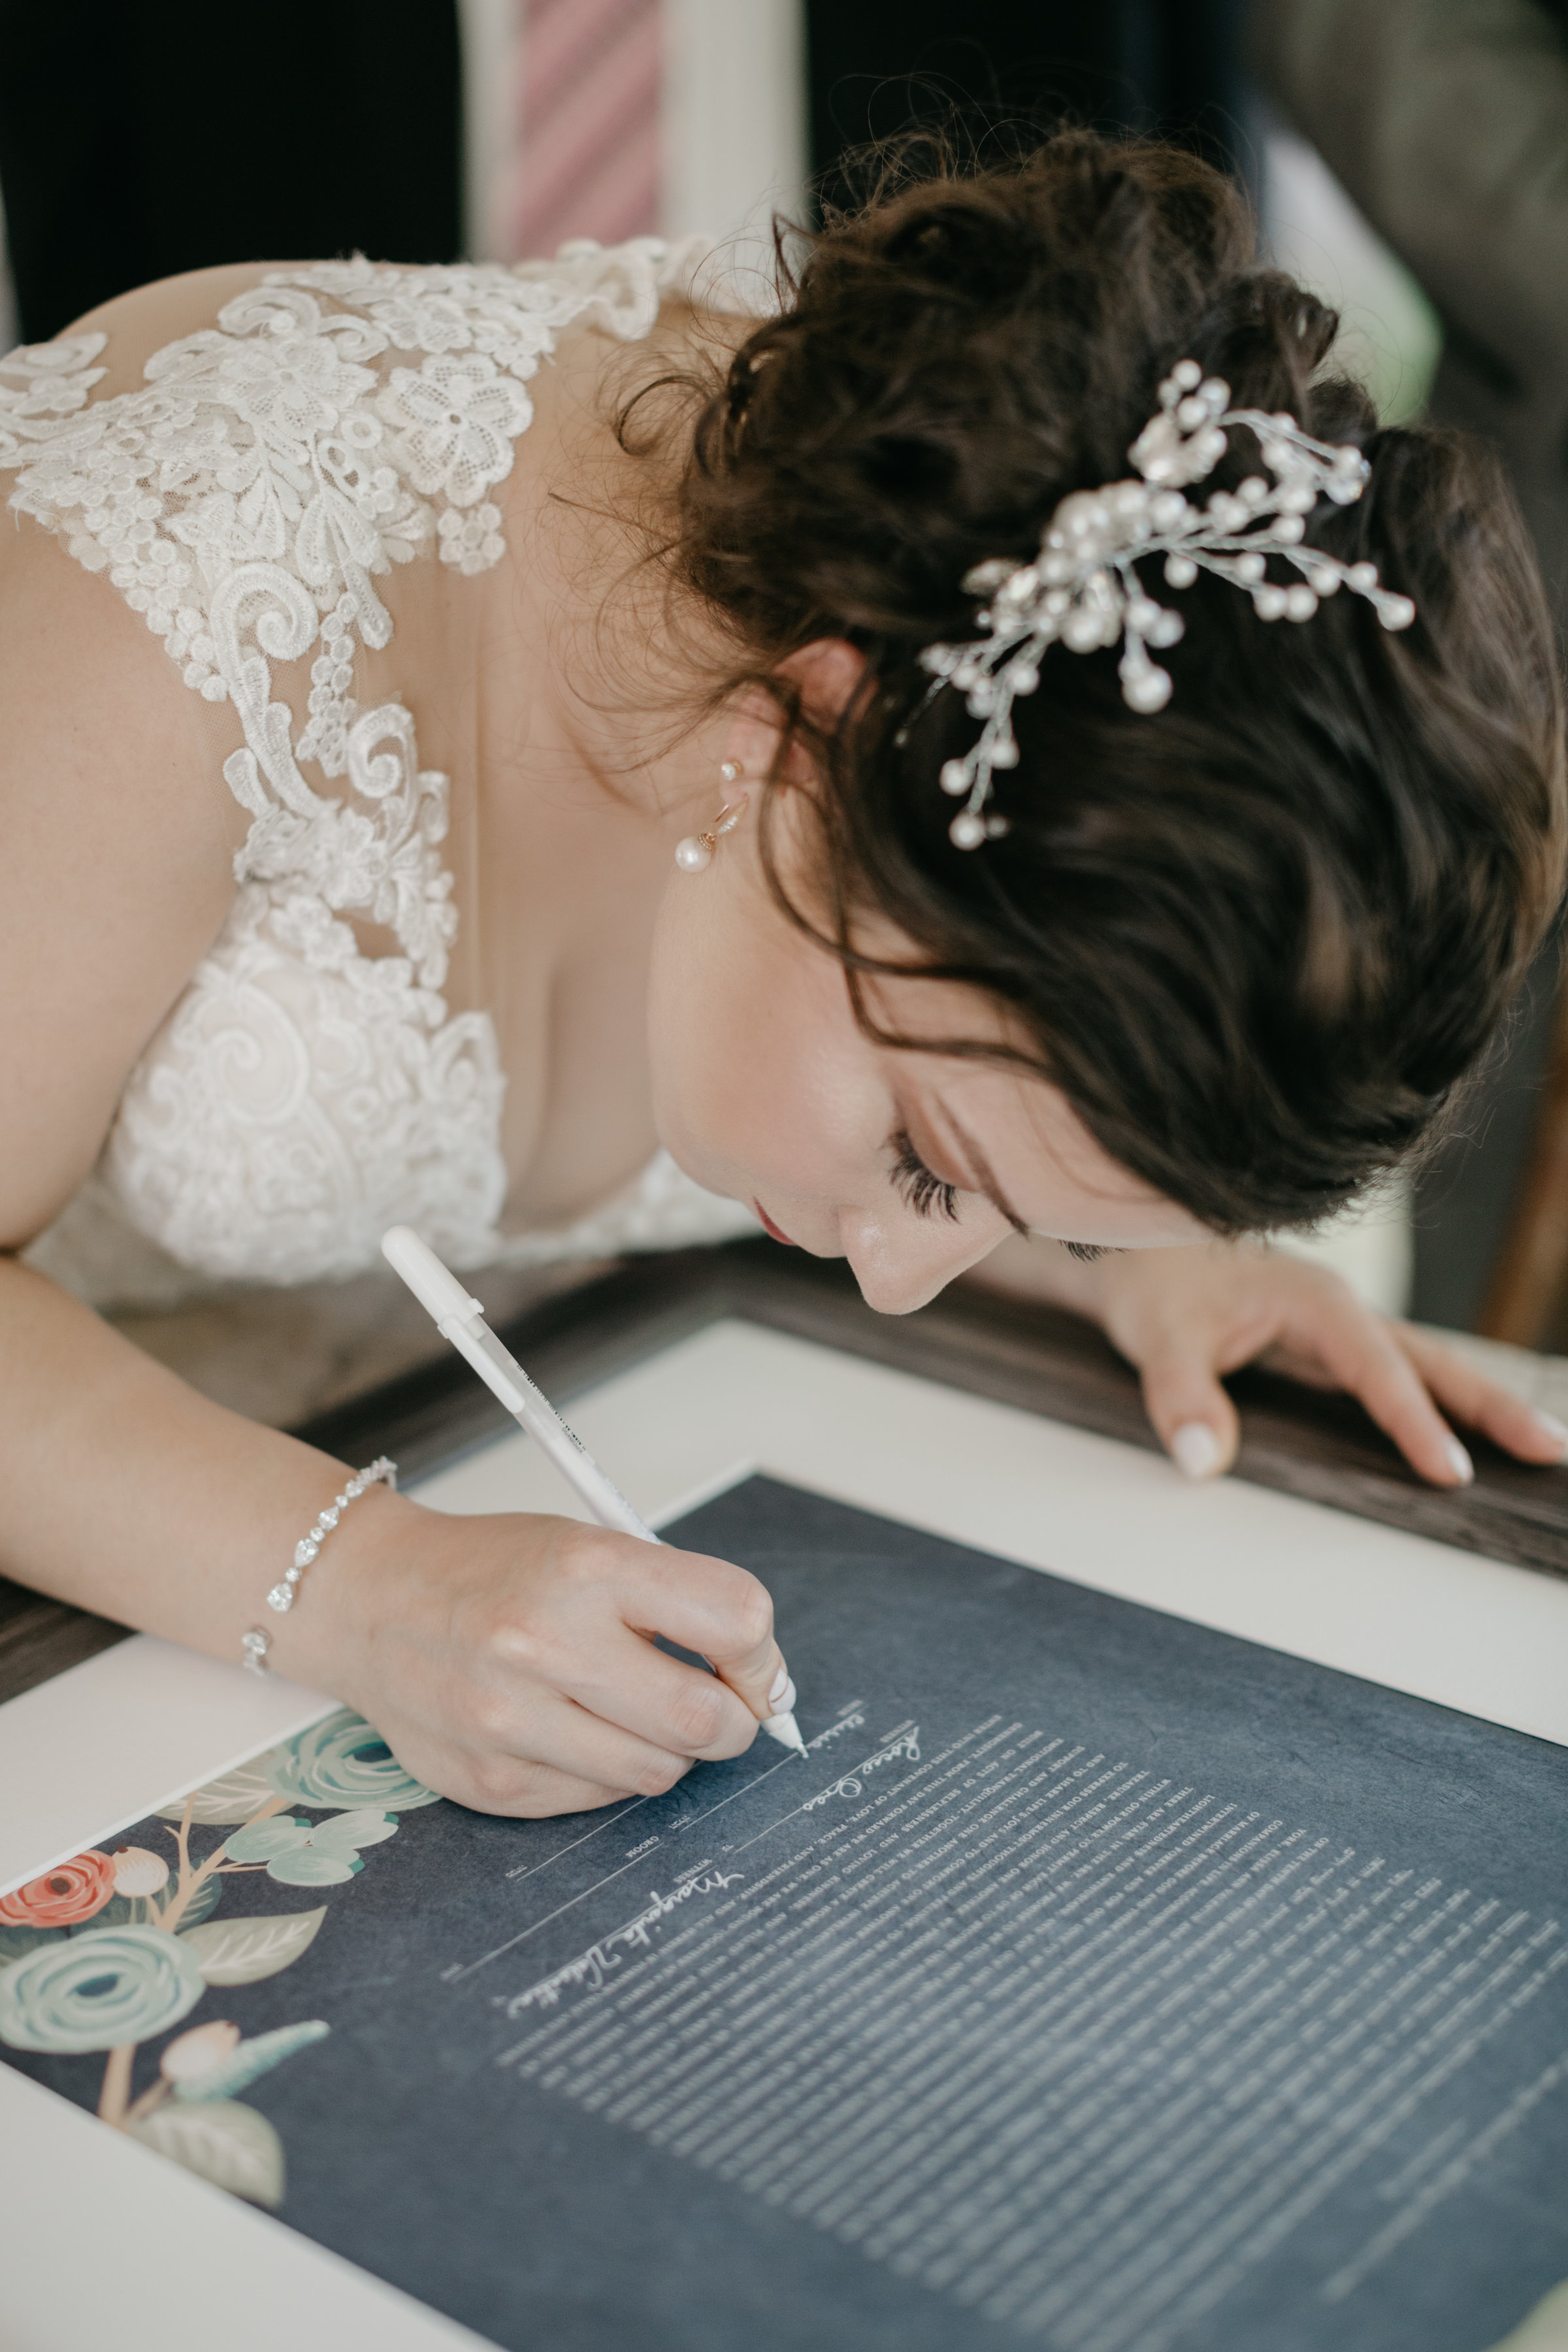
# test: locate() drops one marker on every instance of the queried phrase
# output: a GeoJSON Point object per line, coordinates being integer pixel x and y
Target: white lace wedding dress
{"type": "Point", "coordinates": [303, 1094]}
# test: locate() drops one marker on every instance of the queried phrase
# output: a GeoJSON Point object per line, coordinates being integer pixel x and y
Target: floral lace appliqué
{"type": "Point", "coordinates": [337, 420]}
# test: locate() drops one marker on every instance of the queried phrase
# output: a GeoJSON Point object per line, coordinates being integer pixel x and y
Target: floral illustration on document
{"type": "Point", "coordinates": [111, 1949]}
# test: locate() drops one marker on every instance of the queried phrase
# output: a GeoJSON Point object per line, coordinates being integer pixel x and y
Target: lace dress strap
{"type": "Point", "coordinates": [272, 469]}
{"type": "Point", "coordinates": [246, 500]}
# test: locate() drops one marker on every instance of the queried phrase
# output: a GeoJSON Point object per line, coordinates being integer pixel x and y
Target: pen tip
{"type": "Point", "coordinates": [786, 1730]}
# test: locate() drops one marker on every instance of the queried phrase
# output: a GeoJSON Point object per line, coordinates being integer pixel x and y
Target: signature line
{"type": "Point", "coordinates": [598, 1831]}
{"type": "Point", "coordinates": [523, 1935]}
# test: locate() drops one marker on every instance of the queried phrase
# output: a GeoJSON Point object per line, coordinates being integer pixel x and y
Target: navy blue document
{"type": "Point", "coordinates": [1098, 1982]}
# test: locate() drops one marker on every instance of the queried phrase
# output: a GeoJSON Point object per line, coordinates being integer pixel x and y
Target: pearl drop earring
{"type": "Point", "coordinates": [696, 851]}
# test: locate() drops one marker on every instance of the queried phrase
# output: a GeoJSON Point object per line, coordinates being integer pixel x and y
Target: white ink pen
{"type": "Point", "coordinates": [462, 1319]}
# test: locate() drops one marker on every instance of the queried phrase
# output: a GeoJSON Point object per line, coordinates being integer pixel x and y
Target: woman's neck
{"type": "Point", "coordinates": [630, 657]}
{"type": "Point", "coordinates": [573, 694]}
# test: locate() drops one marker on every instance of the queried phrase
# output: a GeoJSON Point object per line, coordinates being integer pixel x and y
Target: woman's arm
{"type": "Point", "coordinates": [1187, 1317]}
{"type": "Point", "coordinates": [501, 1657]}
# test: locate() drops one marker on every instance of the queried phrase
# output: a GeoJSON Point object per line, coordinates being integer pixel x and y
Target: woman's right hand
{"type": "Point", "coordinates": [507, 1661]}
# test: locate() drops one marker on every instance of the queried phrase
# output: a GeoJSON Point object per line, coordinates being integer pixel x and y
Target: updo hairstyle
{"type": "Point", "coordinates": [1260, 940]}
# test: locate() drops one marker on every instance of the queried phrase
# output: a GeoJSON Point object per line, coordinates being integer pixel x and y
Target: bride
{"type": "Point", "coordinates": [525, 754]}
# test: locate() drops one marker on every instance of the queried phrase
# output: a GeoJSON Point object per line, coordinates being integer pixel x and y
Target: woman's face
{"type": "Point", "coordinates": [913, 1165]}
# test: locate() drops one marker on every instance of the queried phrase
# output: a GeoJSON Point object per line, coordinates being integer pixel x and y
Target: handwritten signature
{"type": "Point", "coordinates": [592, 1966]}
{"type": "Point", "coordinates": [905, 1741]}
{"type": "Point", "coordinates": [852, 1719]}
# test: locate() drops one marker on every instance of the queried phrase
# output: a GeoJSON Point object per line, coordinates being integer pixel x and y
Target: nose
{"type": "Point", "coordinates": [901, 1263]}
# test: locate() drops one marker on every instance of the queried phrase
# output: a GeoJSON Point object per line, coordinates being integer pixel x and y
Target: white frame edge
{"type": "Point", "coordinates": [118, 1735]}
{"type": "Point", "coordinates": [114, 1738]}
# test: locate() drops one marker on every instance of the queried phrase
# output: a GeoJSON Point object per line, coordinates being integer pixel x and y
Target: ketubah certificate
{"type": "Point", "coordinates": [1097, 1981]}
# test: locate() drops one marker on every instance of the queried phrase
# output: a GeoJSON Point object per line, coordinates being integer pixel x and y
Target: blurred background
{"type": "Point", "coordinates": [1408, 158]}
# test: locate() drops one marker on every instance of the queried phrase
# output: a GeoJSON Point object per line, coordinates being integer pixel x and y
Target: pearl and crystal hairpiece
{"type": "Point", "coordinates": [1083, 590]}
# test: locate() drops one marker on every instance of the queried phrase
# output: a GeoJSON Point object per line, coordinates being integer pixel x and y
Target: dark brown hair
{"type": "Point", "coordinates": [1260, 939]}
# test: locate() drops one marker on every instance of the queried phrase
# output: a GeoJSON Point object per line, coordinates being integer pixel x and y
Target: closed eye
{"type": "Point", "coordinates": [926, 1192]}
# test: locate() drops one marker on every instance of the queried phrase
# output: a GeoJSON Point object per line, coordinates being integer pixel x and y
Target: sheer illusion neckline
{"type": "Point", "coordinates": [246, 500]}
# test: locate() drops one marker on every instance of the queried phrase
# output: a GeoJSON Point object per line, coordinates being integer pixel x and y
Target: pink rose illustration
{"type": "Point", "coordinates": [73, 1891]}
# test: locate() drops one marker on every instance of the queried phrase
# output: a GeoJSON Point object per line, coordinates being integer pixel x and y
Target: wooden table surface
{"type": "Point", "coordinates": [1322, 1447]}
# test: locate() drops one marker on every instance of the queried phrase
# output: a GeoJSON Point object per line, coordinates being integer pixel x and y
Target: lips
{"type": "Point", "coordinates": [769, 1227]}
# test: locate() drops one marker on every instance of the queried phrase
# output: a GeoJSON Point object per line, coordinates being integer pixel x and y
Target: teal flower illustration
{"type": "Point", "coordinates": [97, 1990]}
{"type": "Point", "coordinates": [311, 1853]}
{"type": "Point", "coordinates": [344, 1761]}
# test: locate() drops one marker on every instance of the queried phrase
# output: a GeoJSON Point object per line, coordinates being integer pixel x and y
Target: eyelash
{"type": "Point", "coordinates": [1086, 1252]}
{"type": "Point", "coordinates": [925, 1193]}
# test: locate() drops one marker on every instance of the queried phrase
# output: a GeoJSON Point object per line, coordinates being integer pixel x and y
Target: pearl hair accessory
{"type": "Point", "coordinates": [1083, 590]}
{"type": "Point", "coordinates": [696, 851]}
{"type": "Point", "coordinates": [255, 1643]}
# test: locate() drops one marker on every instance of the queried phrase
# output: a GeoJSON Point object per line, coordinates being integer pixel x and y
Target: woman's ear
{"type": "Point", "coordinates": [827, 674]}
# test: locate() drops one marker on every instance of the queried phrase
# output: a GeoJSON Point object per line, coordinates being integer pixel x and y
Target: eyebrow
{"type": "Point", "coordinates": [981, 1167]}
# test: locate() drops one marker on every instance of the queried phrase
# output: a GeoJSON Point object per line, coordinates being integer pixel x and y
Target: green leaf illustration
{"type": "Point", "coordinates": [120, 1911]}
{"type": "Point", "coordinates": [233, 1797]}
{"type": "Point", "coordinates": [308, 1868]}
{"type": "Point", "coordinates": [261, 1839]}
{"type": "Point", "coordinates": [311, 1853]}
{"type": "Point", "coordinates": [251, 2060]}
{"type": "Point", "coordinates": [230, 2145]}
{"type": "Point", "coordinates": [203, 1902]}
{"type": "Point", "coordinates": [16, 1942]}
{"type": "Point", "coordinates": [1542, 2329]}
{"type": "Point", "coordinates": [142, 1910]}
{"type": "Point", "coordinates": [346, 1833]}
{"type": "Point", "coordinates": [240, 1951]}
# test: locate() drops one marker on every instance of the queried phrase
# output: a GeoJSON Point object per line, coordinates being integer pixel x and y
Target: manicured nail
{"type": "Point", "coordinates": [780, 1698]}
{"type": "Point", "coordinates": [1195, 1450]}
{"type": "Point", "coordinates": [1459, 1461]}
{"type": "Point", "coordinates": [782, 1681]}
{"type": "Point", "coordinates": [1551, 1427]}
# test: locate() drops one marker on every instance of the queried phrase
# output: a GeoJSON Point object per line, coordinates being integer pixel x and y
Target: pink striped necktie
{"type": "Point", "coordinates": [590, 123]}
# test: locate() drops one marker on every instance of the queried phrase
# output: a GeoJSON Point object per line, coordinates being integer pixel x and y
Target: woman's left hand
{"type": "Point", "coordinates": [1187, 1317]}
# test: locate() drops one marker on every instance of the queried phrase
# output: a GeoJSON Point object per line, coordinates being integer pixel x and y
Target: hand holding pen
{"type": "Point", "coordinates": [460, 1319]}
{"type": "Point", "coordinates": [505, 1657]}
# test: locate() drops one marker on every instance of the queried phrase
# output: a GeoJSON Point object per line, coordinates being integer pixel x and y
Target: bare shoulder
{"type": "Point", "coordinates": [143, 321]}
{"type": "Point", "coordinates": [119, 833]}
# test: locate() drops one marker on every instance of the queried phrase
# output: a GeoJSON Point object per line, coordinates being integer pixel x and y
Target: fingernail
{"type": "Point", "coordinates": [782, 1681]}
{"type": "Point", "coordinates": [1551, 1427]}
{"type": "Point", "coordinates": [1195, 1449]}
{"type": "Point", "coordinates": [1459, 1461]}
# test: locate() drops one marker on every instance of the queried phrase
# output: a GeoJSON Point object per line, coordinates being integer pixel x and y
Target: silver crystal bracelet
{"type": "Point", "coordinates": [255, 1643]}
